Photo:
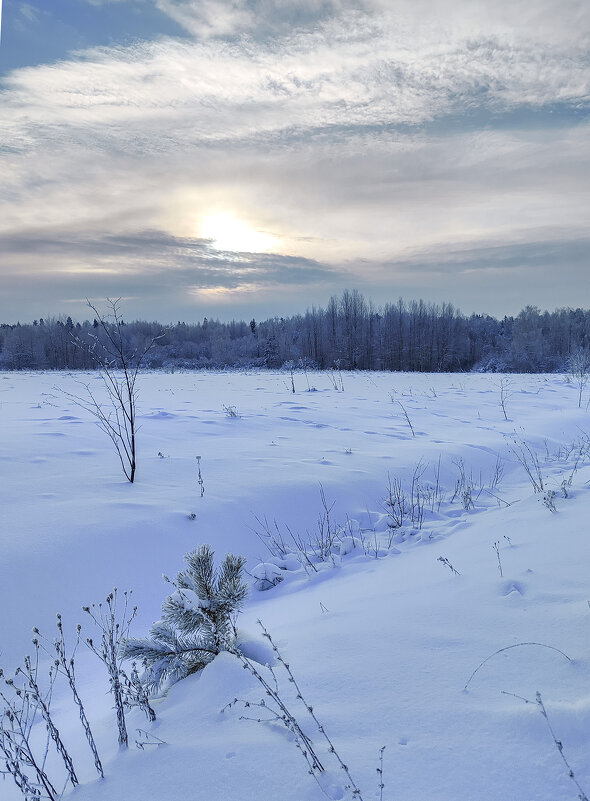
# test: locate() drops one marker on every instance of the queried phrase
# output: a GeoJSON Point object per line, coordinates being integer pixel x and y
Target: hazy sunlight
{"type": "Point", "coordinates": [228, 233]}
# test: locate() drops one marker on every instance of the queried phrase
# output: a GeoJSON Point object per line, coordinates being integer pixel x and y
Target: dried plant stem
{"type": "Point", "coordinates": [353, 786]}
{"type": "Point", "coordinates": [559, 746]}
{"type": "Point", "coordinates": [200, 481]}
{"type": "Point", "coordinates": [496, 547]}
{"type": "Point", "coordinates": [529, 460]}
{"type": "Point", "coordinates": [136, 693]}
{"type": "Point", "coordinates": [380, 772]}
{"type": "Point", "coordinates": [558, 743]}
{"type": "Point", "coordinates": [446, 562]}
{"type": "Point", "coordinates": [407, 416]}
{"type": "Point", "coordinates": [113, 631]}
{"type": "Point", "coordinates": [15, 730]}
{"type": "Point", "coordinates": [66, 666]}
{"type": "Point", "coordinates": [29, 673]}
{"type": "Point", "coordinates": [508, 648]}
{"type": "Point", "coordinates": [504, 386]}
{"type": "Point", "coordinates": [302, 741]}
{"type": "Point", "coordinates": [280, 713]}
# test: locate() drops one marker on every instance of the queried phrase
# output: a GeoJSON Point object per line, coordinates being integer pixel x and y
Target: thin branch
{"type": "Point", "coordinates": [508, 648]}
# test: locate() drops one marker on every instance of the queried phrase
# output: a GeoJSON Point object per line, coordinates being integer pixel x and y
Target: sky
{"type": "Point", "coordinates": [251, 158]}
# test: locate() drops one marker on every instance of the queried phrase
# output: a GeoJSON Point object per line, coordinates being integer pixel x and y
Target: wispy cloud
{"type": "Point", "coordinates": [354, 133]}
{"type": "Point", "coordinates": [349, 71]}
{"type": "Point", "coordinates": [162, 265]}
{"type": "Point", "coordinates": [544, 268]}
{"type": "Point", "coordinates": [29, 12]}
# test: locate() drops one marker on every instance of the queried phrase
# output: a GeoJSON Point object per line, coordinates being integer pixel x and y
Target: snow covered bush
{"type": "Point", "coordinates": [267, 575]}
{"type": "Point", "coordinates": [198, 620]}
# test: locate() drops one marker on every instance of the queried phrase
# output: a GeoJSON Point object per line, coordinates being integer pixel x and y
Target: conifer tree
{"type": "Point", "coordinates": [197, 620]}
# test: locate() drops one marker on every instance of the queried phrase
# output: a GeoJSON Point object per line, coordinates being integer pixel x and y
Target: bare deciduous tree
{"type": "Point", "coordinates": [505, 389]}
{"type": "Point", "coordinates": [119, 361]}
{"type": "Point", "coordinates": [579, 370]}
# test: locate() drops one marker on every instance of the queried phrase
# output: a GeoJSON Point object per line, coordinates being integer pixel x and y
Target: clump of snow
{"type": "Point", "coordinates": [266, 575]}
{"type": "Point", "coordinates": [348, 545]}
{"type": "Point", "coordinates": [255, 647]}
{"type": "Point", "coordinates": [189, 600]}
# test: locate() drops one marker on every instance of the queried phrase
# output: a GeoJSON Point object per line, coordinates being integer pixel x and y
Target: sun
{"type": "Point", "coordinates": [229, 233]}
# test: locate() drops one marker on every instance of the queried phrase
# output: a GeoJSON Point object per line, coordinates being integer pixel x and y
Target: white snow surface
{"type": "Point", "coordinates": [382, 636]}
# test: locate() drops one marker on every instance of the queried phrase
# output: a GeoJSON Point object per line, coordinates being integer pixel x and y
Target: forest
{"type": "Point", "coordinates": [350, 333]}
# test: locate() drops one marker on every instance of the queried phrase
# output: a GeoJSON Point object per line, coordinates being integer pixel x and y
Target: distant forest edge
{"type": "Point", "coordinates": [351, 333]}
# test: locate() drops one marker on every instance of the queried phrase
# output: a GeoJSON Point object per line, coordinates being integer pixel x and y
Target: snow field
{"type": "Point", "coordinates": [382, 647]}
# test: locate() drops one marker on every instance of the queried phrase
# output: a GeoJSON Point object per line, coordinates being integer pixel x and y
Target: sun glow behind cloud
{"type": "Point", "coordinates": [230, 234]}
{"type": "Point", "coordinates": [390, 146]}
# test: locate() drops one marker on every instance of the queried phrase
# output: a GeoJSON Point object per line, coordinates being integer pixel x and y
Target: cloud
{"type": "Point", "coordinates": [498, 277]}
{"type": "Point", "coordinates": [355, 133]}
{"type": "Point", "coordinates": [545, 21]}
{"type": "Point", "coordinates": [352, 69]}
{"type": "Point", "coordinates": [160, 276]}
{"type": "Point", "coordinates": [258, 18]}
{"type": "Point", "coordinates": [529, 256]}
{"type": "Point", "coordinates": [154, 257]}
{"type": "Point", "coordinates": [29, 12]}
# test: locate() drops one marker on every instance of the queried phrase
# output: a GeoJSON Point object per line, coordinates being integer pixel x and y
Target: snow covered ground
{"type": "Point", "coordinates": [383, 638]}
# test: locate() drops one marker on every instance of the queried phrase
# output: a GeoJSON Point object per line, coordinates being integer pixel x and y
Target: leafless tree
{"type": "Point", "coordinates": [119, 361]}
{"type": "Point", "coordinates": [579, 370]}
{"type": "Point", "coordinates": [505, 390]}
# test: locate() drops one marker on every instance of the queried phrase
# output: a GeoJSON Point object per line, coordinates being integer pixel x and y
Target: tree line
{"type": "Point", "coordinates": [350, 333]}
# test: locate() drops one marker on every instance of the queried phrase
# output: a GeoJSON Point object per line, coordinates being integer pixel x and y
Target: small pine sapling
{"type": "Point", "coordinates": [197, 620]}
